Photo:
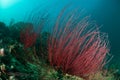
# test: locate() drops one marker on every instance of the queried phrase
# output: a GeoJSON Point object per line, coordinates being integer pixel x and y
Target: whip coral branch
{"type": "Point", "coordinates": [76, 47]}
{"type": "Point", "coordinates": [28, 36]}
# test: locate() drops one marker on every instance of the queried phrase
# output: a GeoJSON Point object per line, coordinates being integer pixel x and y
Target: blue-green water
{"type": "Point", "coordinates": [104, 12]}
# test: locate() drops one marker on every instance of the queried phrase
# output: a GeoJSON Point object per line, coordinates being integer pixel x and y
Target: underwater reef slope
{"type": "Point", "coordinates": [74, 50]}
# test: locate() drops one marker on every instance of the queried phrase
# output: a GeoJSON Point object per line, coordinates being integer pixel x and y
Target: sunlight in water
{"type": "Point", "coordinates": [7, 3]}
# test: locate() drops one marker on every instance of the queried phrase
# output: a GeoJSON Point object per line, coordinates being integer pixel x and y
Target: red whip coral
{"type": "Point", "coordinates": [77, 47]}
{"type": "Point", "coordinates": [28, 36]}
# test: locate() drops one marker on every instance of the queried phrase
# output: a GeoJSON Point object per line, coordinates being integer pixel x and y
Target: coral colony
{"type": "Point", "coordinates": [28, 36]}
{"type": "Point", "coordinates": [80, 51]}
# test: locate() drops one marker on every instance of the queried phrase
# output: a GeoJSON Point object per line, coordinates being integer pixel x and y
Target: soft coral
{"type": "Point", "coordinates": [77, 48]}
{"type": "Point", "coordinates": [28, 36]}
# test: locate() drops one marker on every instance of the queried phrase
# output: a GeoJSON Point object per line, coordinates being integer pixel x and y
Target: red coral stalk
{"type": "Point", "coordinates": [77, 51]}
{"type": "Point", "coordinates": [28, 36]}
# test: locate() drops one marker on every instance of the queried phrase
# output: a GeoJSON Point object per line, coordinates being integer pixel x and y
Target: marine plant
{"type": "Point", "coordinates": [76, 46]}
